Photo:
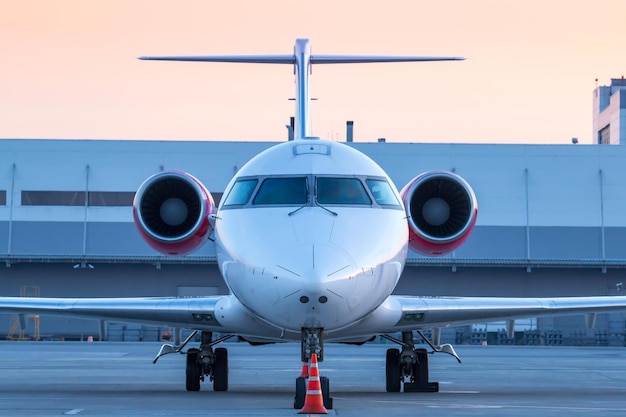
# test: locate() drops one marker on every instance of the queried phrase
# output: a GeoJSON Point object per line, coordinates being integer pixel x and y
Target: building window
{"type": "Point", "coordinates": [53, 198]}
{"type": "Point", "coordinates": [3, 198]}
{"type": "Point", "coordinates": [77, 198]}
{"type": "Point", "coordinates": [604, 135]}
{"type": "Point", "coordinates": [111, 198]}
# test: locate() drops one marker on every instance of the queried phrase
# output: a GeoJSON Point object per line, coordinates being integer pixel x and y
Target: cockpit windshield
{"type": "Point", "coordinates": [282, 191]}
{"type": "Point", "coordinates": [241, 192]}
{"type": "Point", "coordinates": [341, 191]}
{"type": "Point", "coordinates": [382, 192]}
{"type": "Point", "coordinates": [295, 191]}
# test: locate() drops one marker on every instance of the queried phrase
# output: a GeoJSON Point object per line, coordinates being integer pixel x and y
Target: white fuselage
{"type": "Point", "coordinates": [316, 263]}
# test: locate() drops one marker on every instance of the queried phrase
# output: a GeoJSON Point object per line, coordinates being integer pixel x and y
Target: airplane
{"type": "Point", "coordinates": [311, 238]}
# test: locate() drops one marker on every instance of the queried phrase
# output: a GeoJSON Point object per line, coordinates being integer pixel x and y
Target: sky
{"type": "Point", "coordinates": [69, 69]}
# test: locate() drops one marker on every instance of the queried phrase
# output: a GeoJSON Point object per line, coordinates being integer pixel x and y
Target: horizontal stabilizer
{"type": "Point", "coordinates": [291, 59]}
{"type": "Point", "coordinates": [247, 59]}
{"type": "Point", "coordinates": [302, 59]}
{"type": "Point", "coordinates": [364, 59]}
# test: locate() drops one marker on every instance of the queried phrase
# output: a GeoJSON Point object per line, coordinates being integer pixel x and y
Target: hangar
{"type": "Point", "coordinates": [551, 223]}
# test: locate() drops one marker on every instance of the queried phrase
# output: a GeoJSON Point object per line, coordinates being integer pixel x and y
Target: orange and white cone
{"type": "Point", "coordinates": [314, 401]}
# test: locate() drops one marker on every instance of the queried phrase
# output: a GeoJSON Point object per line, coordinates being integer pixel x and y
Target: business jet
{"type": "Point", "coordinates": [311, 238]}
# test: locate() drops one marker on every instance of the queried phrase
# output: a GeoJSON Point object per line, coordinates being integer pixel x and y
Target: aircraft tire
{"type": "Point", "coordinates": [298, 401]}
{"type": "Point", "coordinates": [420, 369]}
{"type": "Point", "coordinates": [220, 370]}
{"type": "Point", "coordinates": [393, 371]}
{"type": "Point", "coordinates": [192, 371]}
{"type": "Point", "coordinates": [328, 400]}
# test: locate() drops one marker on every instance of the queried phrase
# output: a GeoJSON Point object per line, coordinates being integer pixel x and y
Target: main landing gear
{"type": "Point", "coordinates": [203, 361]}
{"type": "Point", "coordinates": [206, 362]}
{"type": "Point", "coordinates": [409, 366]}
{"type": "Point", "coordinates": [311, 342]}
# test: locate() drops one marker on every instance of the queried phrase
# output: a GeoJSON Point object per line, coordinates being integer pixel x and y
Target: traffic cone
{"type": "Point", "coordinates": [305, 370]}
{"type": "Point", "coordinates": [314, 401]}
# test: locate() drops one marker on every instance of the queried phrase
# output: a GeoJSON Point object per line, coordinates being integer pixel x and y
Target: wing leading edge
{"type": "Point", "coordinates": [223, 314]}
{"type": "Point", "coordinates": [171, 311]}
{"type": "Point", "coordinates": [406, 313]}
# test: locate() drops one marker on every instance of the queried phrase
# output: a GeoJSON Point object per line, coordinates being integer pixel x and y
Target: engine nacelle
{"type": "Point", "coordinates": [172, 211]}
{"type": "Point", "coordinates": [441, 208]}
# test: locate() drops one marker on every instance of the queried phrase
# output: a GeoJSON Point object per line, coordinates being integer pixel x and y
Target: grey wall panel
{"type": "Point", "coordinates": [571, 243]}
{"type": "Point", "coordinates": [565, 243]}
{"type": "Point", "coordinates": [121, 239]}
{"type": "Point", "coordinates": [54, 238]}
{"type": "Point", "coordinates": [495, 242]}
{"type": "Point", "coordinates": [4, 237]}
{"type": "Point", "coordinates": [66, 238]}
{"type": "Point", "coordinates": [509, 282]}
{"type": "Point", "coordinates": [615, 242]}
{"type": "Point", "coordinates": [108, 280]}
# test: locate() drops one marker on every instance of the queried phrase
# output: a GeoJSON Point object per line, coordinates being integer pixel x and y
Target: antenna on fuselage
{"type": "Point", "coordinates": [302, 60]}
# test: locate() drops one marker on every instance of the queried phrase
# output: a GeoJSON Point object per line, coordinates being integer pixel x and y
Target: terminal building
{"type": "Point", "coordinates": [551, 222]}
{"type": "Point", "coordinates": [609, 113]}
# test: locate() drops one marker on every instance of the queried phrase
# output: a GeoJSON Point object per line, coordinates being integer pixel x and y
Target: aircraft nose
{"type": "Point", "coordinates": [327, 275]}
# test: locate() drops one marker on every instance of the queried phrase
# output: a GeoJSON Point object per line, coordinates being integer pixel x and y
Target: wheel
{"type": "Point", "coordinates": [325, 384]}
{"type": "Point", "coordinates": [192, 371]}
{"type": "Point", "coordinates": [298, 401]}
{"type": "Point", "coordinates": [420, 369]}
{"type": "Point", "coordinates": [393, 372]}
{"type": "Point", "coordinates": [220, 370]}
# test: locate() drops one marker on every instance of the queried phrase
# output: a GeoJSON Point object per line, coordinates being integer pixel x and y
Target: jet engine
{"type": "Point", "coordinates": [172, 211]}
{"type": "Point", "coordinates": [441, 208]}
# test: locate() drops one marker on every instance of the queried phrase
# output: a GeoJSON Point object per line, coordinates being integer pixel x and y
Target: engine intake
{"type": "Point", "coordinates": [172, 212]}
{"type": "Point", "coordinates": [442, 209]}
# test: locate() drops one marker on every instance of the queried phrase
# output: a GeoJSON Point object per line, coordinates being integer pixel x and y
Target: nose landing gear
{"type": "Point", "coordinates": [312, 342]}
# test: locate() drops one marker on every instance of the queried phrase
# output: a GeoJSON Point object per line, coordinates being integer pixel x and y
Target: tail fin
{"type": "Point", "coordinates": [302, 59]}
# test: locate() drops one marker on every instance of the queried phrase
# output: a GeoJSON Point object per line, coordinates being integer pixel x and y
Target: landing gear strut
{"type": "Point", "coordinates": [409, 366]}
{"type": "Point", "coordinates": [312, 342]}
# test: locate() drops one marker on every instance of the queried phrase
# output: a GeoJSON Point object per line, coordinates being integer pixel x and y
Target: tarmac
{"type": "Point", "coordinates": [119, 379]}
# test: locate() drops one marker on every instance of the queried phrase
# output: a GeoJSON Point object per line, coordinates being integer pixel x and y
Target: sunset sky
{"type": "Point", "coordinates": [69, 69]}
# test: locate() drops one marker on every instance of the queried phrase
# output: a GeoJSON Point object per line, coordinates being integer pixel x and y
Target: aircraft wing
{"type": "Point", "coordinates": [172, 311]}
{"type": "Point", "coordinates": [405, 313]}
{"type": "Point", "coordinates": [222, 314]}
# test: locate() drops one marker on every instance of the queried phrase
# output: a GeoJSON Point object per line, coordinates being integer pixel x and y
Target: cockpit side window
{"type": "Point", "coordinates": [341, 191]}
{"type": "Point", "coordinates": [382, 192]}
{"type": "Point", "coordinates": [287, 190]}
{"type": "Point", "coordinates": [241, 192]}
